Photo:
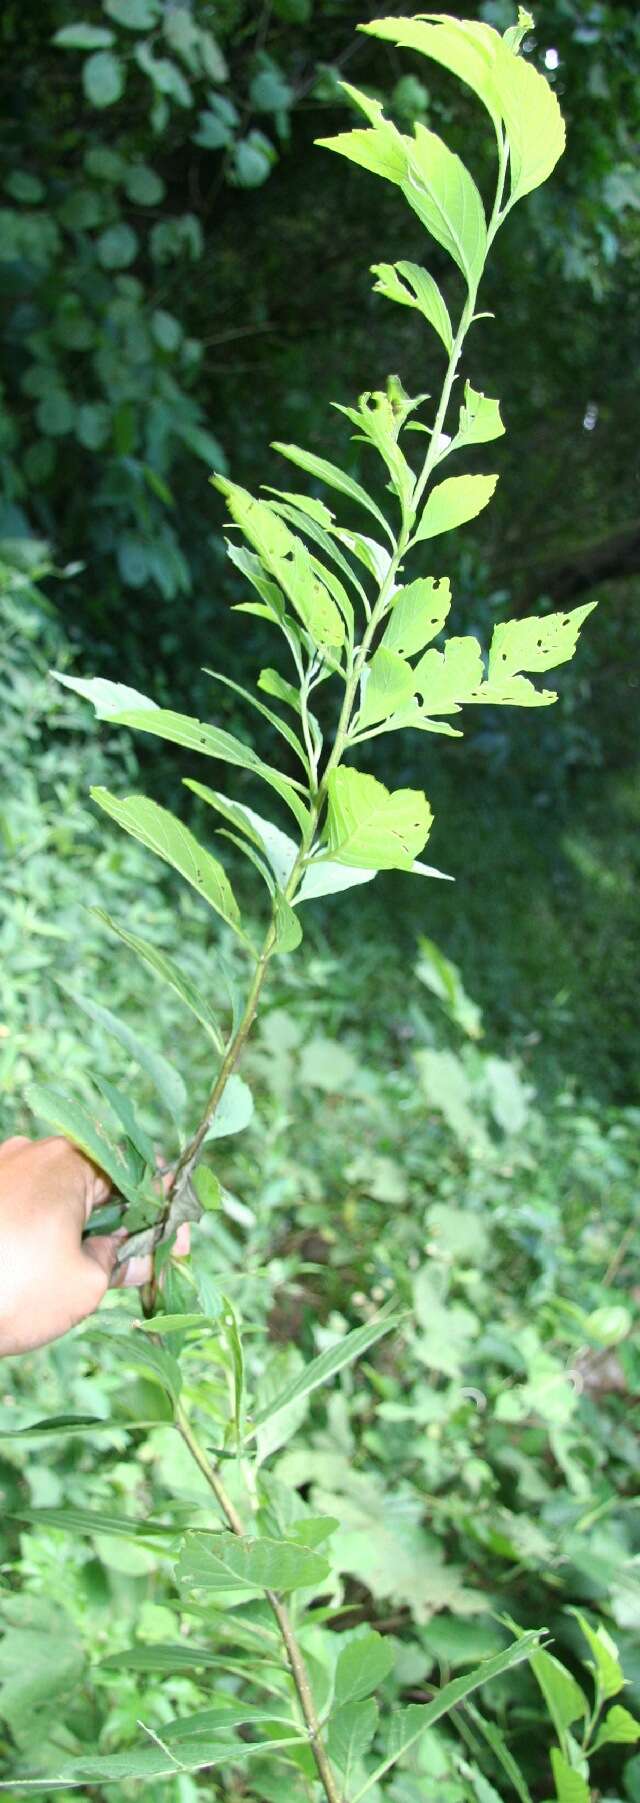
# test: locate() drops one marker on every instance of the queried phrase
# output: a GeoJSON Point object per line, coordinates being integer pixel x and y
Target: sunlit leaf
{"type": "Point", "coordinates": [452, 502]}
{"type": "Point", "coordinates": [412, 286]}
{"type": "Point", "coordinates": [170, 973]}
{"type": "Point", "coordinates": [418, 614]}
{"type": "Point", "coordinates": [163, 834]}
{"type": "Point", "coordinates": [371, 826]}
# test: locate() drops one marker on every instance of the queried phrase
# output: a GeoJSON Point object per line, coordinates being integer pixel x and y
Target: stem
{"type": "Point", "coordinates": [295, 1656]}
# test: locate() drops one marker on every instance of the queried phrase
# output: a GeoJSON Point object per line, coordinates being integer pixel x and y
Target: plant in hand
{"type": "Point", "coordinates": [359, 618]}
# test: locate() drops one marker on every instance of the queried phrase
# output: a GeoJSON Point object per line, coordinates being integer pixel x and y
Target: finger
{"type": "Point", "coordinates": [14, 1144]}
{"type": "Point", "coordinates": [102, 1250]}
{"type": "Point", "coordinates": [133, 1274]}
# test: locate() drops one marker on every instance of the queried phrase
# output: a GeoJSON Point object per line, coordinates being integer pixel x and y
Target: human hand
{"type": "Point", "coordinates": [50, 1278]}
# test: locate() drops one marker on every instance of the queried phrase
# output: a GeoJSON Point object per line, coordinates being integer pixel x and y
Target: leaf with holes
{"type": "Point", "coordinates": [387, 686]}
{"type": "Point", "coordinates": [418, 614]}
{"type": "Point", "coordinates": [444, 679]}
{"type": "Point", "coordinates": [534, 644]}
{"type": "Point", "coordinates": [372, 826]}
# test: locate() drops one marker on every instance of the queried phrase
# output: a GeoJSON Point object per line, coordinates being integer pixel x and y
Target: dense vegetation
{"type": "Point", "coordinates": [483, 1463]}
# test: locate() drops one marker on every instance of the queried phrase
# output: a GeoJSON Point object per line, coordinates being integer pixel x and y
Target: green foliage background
{"type": "Point", "coordinates": [183, 279]}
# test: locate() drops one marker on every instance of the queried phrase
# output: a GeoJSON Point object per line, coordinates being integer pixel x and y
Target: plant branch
{"type": "Point", "coordinates": [294, 1653]}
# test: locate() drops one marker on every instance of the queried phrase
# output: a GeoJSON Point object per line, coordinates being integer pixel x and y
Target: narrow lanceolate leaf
{"type": "Point", "coordinates": [163, 1075]}
{"type": "Point", "coordinates": [159, 830]}
{"type": "Point", "coordinates": [565, 1701]}
{"type": "Point", "coordinates": [183, 1655]}
{"type": "Point", "coordinates": [169, 973]}
{"type": "Point", "coordinates": [287, 559]}
{"type": "Point", "coordinates": [92, 1521]}
{"type": "Point", "coordinates": [322, 1369]}
{"type": "Point", "coordinates": [409, 1724]}
{"type": "Point", "coordinates": [418, 614]}
{"type": "Point", "coordinates": [281, 726]}
{"type": "Point", "coordinates": [444, 195]}
{"type": "Point", "coordinates": [332, 475]}
{"type": "Point", "coordinates": [227, 1562]}
{"type": "Point", "coordinates": [387, 686]}
{"type": "Point", "coordinates": [123, 707]}
{"type": "Point", "coordinates": [145, 1763]}
{"type": "Point", "coordinates": [412, 286]}
{"type": "Point", "coordinates": [349, 1734]}
{"type": "Point", "coordinates": [288, 930]}
{"type": "Point", "coordinates": [453, 502]}
{"type": "Point", "coordinates": [119, 1101]}
{"type": "Point", "coordinates": [371, 826]}
{"type": "Point", "coordinates": [276, 846]}
{"type": "Point", "coordinates": [88, 1130]}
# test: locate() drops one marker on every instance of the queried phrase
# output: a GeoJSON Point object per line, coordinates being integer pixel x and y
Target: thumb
{"type": "Point", "coordinates": [102, 1249]}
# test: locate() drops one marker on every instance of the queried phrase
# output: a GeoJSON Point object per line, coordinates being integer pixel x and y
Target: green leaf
{"type": "Point", "coordinates": [467, 48]}
{"type": "Point", "coordinates": [418, 614]}
{"type": "Point", "coordinates": [479, 420]}
{"type": "Point", "coordinates": [606, 1665]}
{"type": "Point", "coordinates": [225, 1562]}
{"type": "Point", "coordinates": [533, 644]}
{"type": "Point", "coordinates": [147, 1763]}
{"type": "Point", "coordinates": [136, 15]}
{"type": "Point", "coordinates": [409, 1724]}
{"type": "Point", "coordinates": [619, 1728]}
{"type": "Point", "coordinates": [350, 1732]}
{"type": "Point", "coordinates": [571, 1787]}
{"type": "Point", "coordinates": [441, 191]}
{"type": "Point", "coordinates": [371, 826]}
{"type": "Point", "coordinates": [502, 1752]}
{"type": "Point", "coordinates": [155, 1362]}
{"type": "Point", "coordinates": [382, 150]}
{"type": "Point", "coordinates": [287, 559]}
{"type": "Point", "coordinates": [453, 502]}
{"type": "Point", "coordinates": [288, 929]}
{"type": "Point", "coordinates": [565, 1700]}
{"type": "Point", "coordinates": [117, 247]}
{"type": "Point", "coordinates": [362, 1666]}
{"type": "Point", "coordinates": [82, 37]}
{"type": "Point", "coordinates": [322, 877]}
{"type": "Point", "coordinates": [168, 1082]}
{"type": "Point", "coordinates": [322, 1369]}
{"type": "Point", "coordinates": [90, 1131]}
{"type": "Point", "coordinates": [210, 741]}
{"type": "Point", "coordinates": [444, 679]}
{"type": "Point", "coordinates": [184, 1655]}
{"type": "Point", "coordinates": [279, 850]}
{"type": "Point", "coordinates": [103, 79]}
{"type": "Point", "coordinates": [412, 286]}
{"type": "Point", "coordinates": [121, 1106]}
{"type": "Point", "coordinates": [156, 828]}
{"type": "Point", "coordinates": [208, 1188]}
{"type": "Point", "coordinates": [387, 686]}
{"type": "Point", "coordinates": [169, 973]}
{"type": "Point", "coordinates": [146, 189]}
{"type": "Point", "coordinates": [332, 475]}
{"type": "Point", "coordinates": [234, 1110]}
{"type": "Point", "coordinates": [281, 726]}
{"type": "Point", "coordinates": [533, 121]}
{"type": "Point", "coordinates": [71, 1520]}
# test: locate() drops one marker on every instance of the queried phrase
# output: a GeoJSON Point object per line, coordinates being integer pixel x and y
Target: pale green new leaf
{"type": "Point", "coordinates": [227, 1562]}
{"type": "Point", "coordinates": [350, 1732]}
{"type": "Point", "coordinates": [606, 1664]}
{"type": "Point", "coordinates": [328, 1364]}
{"type": "Point", "coordinates": [281, 726]}
{"type": "Point", "coordinates": [332, 475]}
{"type": "Point", "coordinates": [195, 735]}
{"type": "Point", "coordinates": [571, 1787]}
{"type": "Point", "coordinates": [108, 698]}
{"type": "Point", "coordinates": [444, 195]}
{"type": "Point", "coordinates": [418, 614]}
{"type": "Point", "coordinates": [533, 121]}
{"type": "Point", "coordinates": [234, 1110]}
{"type": "Point", "coordinates": [412, 286]}
{"type": "Point", "coordinates": [72, 1520]}
{"type": "Point", "coordinates": [165, 1078]}
{"type": "Point", "coordinates": [86, 1129]}
{"type": "Point", "coordinates": [288, 930]}
{"type": "Point", "coordinates": [466, 47]}
{"type": "Point", "coordinates": [322, 877]}
{"type": "Point", "coordinates": [409, 1724]}
{"type": "Point", "coordinates": [276, 846]}
{"type": "Point", "coordinates": [453, 502]}
{"type": "Point", "coordinates": [371, 826]}
{"type": "Point", "coordinates": [169, 972]}
{"type": "Point", "coordinates": [159, 830]}
{"type": "Point", "coordinates": [619, 1728]}
{"type": "Point", "coordinates": [534, 644]}
{"type": "Point", "coordinates": [382, 149]}
{"type": "Point", "coordinates": [387, 685]}
{"type": "Point", "coordinates": [444, 679]}
{"type": "Point", "coordinates": [565, 1700]}
{"type": "Point", "coordinates": [362, 1666]}
{"type": "Point", "coordinates": [286, 558]}
{"type": "Point", "coordinates": [480, 420]}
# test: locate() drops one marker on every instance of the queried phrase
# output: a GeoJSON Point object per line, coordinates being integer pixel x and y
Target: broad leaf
{"type": "Point", "coordinates": [165, 1079]}
{"type": "Point", "coordinates": [371, 826]}
{"type": "Point", "coordinates": [169, 972]}
{"type": "Point", "coordinates": [444, 196]}
{"type": "Point", "coordinates": [534, 644]}
{"type": "Point", "coordinates": [565, 1700]}
{"type": "Point", "coordinates": [480, 420]}
{"type": "Point", "coordinates": [452, 502]}
{"type": "Point", "coordinates": [571, 1787]}
{"type": "Point", "coordinates": [322, 877]}
{"type": "Point", "coordinates": [82, 37]}
{"type": "Point", "coordinates": [387, 685]}
{"type": "Point", "coordinates": [533, 121]}
{"type": "Point", "coordinates": [234, 1110]}
{"type": "Point", "coordinates": [444, 679]}
{"type": "Point", "coordinates": [108, 698]}
{"type": "Point", "coordinates": [159, 830]}
{"type": "Point", "coordinates": [86, 1129]}
{"type": "Point", "coordinates": [418, 614]}
{"type": "Point", "coordinates": [362, 1666]}
{"type": "Point", "coordinates": [225, 1562]}
{"type": "Point", "coordinates": [288, 930]}
{"type": "Point", "coordinates": [412, 286]}
{"type": "Point", "coordinates": [619, 1728]}
{"type": "Point", "coordinates": [606, 1664]}
{"type": "Point", "coordinates": [468, 49]}
{"type": "Point", "coordinates": [349, 1734]}
{"type": "Point", "coordinates": [332, 475]}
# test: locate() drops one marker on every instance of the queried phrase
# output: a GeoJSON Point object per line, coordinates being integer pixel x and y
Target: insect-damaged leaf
{"type": "Point", "coordinates": [418, 614]}
{"type": "Point", "coordinates": [371, 826]}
